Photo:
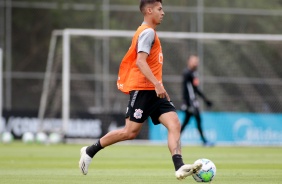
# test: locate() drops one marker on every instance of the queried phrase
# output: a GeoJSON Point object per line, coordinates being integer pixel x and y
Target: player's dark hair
{"type": "Point", "coordinates": [143, 3]}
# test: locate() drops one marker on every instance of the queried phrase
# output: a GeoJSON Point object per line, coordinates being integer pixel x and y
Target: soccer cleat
{"type": "Point", "coordinates": [84, 161]}
{"type": "Point", "coordinates": [187, 170]}
{"type": "Point", "coordinates": [208, 144]}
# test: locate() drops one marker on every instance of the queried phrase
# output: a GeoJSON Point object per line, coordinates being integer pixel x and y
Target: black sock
{"type": "Point", "coordinates": [92, 150]}
{"type": "Point", "coordinates": [177, 160]}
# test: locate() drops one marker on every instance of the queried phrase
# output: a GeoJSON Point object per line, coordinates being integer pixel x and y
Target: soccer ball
{"type": "Point", "coordinates": [7, 137]}
{"type": "Point", "coordinates": [55, 138]}
{"type": "Point", "coordinates": [41, 138]}
{"type": "Point", "coordinates": [208, 171]}
{"type": "Point", "coordinates": [28, 137]}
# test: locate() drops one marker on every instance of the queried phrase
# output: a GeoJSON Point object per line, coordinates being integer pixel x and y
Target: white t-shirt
{"type": "Point", "coordinates": [146, 40]}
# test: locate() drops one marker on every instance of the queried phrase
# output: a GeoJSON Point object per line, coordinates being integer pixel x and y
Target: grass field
{"type": "Point", "coordinates": [139, 164]}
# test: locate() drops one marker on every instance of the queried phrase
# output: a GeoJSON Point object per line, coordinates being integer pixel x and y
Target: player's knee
{"type": "Point", "coordinates": [176, 121]}
{"type": "Point", "coordinates": [175, 125]}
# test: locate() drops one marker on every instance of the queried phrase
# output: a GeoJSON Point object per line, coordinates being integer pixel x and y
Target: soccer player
{"type": "Point", "coordinates": [140, 76]}
{"type": "Point", "coordinates": [190, 90]}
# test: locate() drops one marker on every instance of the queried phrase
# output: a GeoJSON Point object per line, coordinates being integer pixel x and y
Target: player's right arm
{"type": "Point", "coordinates": [145, 41]}
{"type": "Point", "coordinates": [147, 72]}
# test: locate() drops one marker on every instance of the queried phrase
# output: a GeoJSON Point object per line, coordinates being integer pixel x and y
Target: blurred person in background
{"type": "Point", "coordinates": [190, 91]}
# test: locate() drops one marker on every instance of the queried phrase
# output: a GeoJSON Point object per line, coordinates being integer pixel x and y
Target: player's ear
{"type": "Point", "coordinates": [149, 9]}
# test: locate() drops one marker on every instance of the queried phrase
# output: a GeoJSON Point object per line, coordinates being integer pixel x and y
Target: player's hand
{"type": "Point", "coordinates": [208, 103]}
{"type": "Point", "coordinates": [161, 92]}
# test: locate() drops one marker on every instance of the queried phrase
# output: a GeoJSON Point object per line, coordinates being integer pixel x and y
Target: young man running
{"type": "Point", "coordinates": [140, 76]}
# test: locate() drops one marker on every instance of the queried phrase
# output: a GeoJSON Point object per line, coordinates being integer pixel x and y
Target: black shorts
{"type": "Point", "coordinates": [145, 103]}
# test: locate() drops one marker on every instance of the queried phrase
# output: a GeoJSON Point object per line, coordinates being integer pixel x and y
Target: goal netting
{"type": "Point", "coordinates": [239, 72]}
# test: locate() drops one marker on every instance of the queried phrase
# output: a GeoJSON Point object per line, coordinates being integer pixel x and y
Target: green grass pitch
{"type": "Point", "coordinates": [134, 164]}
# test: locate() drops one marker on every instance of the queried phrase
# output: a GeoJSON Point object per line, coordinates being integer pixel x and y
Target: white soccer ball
{"type": "Point", "coordinates": [7, 137]}
{"type": "Point", "coordinates": [208, 171]}
{"type": "Point", "coordinates": [28, 137]}
{"type": "Point", "coordinates": [41, 138]}
{"type": "Point", "coordinates": [55, 138]}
